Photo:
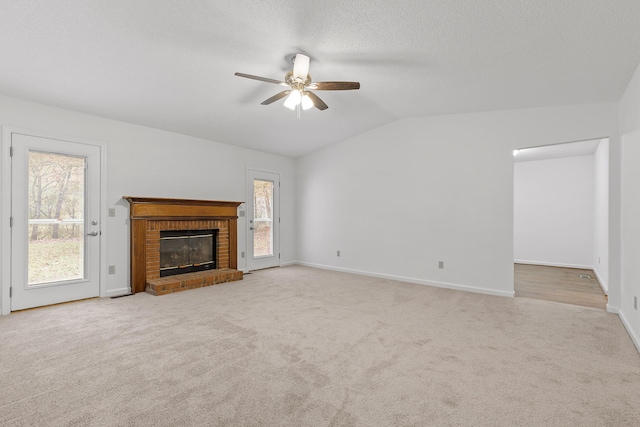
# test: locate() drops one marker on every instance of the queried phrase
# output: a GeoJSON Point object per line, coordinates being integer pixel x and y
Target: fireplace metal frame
{"type": "Point", "coordinates": [189, 266]}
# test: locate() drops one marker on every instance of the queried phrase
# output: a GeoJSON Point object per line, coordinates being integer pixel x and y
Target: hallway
{"type": "Point", "coordinates": [558, 284]}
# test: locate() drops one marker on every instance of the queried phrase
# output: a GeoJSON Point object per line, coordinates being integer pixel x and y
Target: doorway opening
{"type": "Point", "coordinates": [561, 220]}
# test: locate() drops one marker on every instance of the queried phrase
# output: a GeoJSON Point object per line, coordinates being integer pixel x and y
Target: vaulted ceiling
{"type": "Point", "coordinates": [170, 64]}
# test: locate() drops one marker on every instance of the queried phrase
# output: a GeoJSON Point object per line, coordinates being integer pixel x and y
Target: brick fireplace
{"type": "Point", "coordinates": [151, 216]}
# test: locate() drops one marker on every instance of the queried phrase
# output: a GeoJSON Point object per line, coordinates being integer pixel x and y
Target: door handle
{"type": "Point", "coordinates": [251, 228]}
{"type": "Point", "coordinates": [93, 233]}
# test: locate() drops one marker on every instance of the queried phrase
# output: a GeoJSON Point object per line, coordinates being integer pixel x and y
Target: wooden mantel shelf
{"type": "Point", "coordinates": [150, 215]}
{"type": "Point", "coordinates": [158, 208]}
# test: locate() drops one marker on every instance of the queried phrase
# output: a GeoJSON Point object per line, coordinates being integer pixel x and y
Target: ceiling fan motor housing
{"type": "Point", "coordinates": [295, 81]}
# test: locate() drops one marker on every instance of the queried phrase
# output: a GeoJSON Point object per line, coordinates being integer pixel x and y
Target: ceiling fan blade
{"type": "Point", "coordinates": [275, 97]}
{"type": "Point", "coordinates": [262, 79]}
{"type": "Point", "coordinates": [317, 102]}
{"type": "Point", "coordinates": [334, 85]}
{"type": "Point", "coordinates": [301, 67]}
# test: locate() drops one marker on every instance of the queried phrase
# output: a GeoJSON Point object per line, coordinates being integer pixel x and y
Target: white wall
{"type": "Point", "coordinates": [148, 162]}
{"type": "Point", "coordinates": [400, 198]}
{"type": "Point", "coordinates": [600, 261]}
{"type": "Point", "coordinates": [630, 198]}
{"type": "Point", "coordinates": [553, 211]}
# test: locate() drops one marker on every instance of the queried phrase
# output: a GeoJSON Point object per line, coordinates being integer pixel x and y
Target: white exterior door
{"type": "Point", "coordinates": [263, 220]}
{"type": "Point", "coordinates": [55, 211]}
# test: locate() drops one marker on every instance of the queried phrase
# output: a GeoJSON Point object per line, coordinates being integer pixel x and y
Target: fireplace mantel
{"type": "Point", "coordinates": [148, 216]}
{"type": "Point", "coordinates": [156, 208]}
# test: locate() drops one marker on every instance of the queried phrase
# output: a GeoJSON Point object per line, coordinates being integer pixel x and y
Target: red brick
{"type": "Point", "coordinates": [193, 282]}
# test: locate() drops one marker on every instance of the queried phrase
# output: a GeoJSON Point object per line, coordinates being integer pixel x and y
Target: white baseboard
{"type": "Point", "coordinates": [553, 264]}
{"type": "Point", "coordinates": [625, 322]}
{"type": "Point", "coordinates": [118, 292]}
{"type": "Point", "coordinates": [603, 285]}
{"type": "Point", "coordinates": [412, 280]}
{"type": "Point", "coordinates": [282, 264]}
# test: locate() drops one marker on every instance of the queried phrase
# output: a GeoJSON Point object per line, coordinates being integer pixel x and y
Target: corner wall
{"type": "Point", "coordinates": [630, 201]}
{"type": "Point", "coordinates": [143, 161]}
{"type": "Point", "coordinates": [398, 199]}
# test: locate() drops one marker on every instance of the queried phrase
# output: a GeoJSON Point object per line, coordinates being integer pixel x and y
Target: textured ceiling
{"type": "Point", "coordinates": [169, 64]}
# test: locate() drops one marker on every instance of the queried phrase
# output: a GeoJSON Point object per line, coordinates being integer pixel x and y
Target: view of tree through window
{"type": "Point", "coordinates": [263, 218]}
{"type": "Point", "coordinates": [56, 217]}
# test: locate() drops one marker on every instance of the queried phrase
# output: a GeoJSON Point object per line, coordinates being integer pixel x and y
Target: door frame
{"type": "Point", "coordinates": [249, 236]}
{"type": "Point", "coordinates": [5, 207]}
{"type": "Point", "coordinates": [592, 266]}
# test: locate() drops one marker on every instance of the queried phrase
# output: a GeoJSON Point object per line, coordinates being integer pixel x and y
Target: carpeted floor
{"type": "Point", "coordinates": [297, 346]}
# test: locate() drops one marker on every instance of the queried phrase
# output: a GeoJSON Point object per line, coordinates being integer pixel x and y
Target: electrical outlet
{"type": "Point", "coordinates": [242, 254]}
{"type": "Point", "coordinates": [112, 212]}
{"type": "Point", "coordinates": [441, 265]}
{"type": "Point", "coordinates": [112, 269]}
{"type": "Point", "coordinates": [338, 253]}
{"type": "Point", "coordinates": [635, 303]}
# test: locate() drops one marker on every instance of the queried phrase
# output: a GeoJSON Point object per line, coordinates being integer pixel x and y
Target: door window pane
{"type": "Point", "coordinates": [262, 218]}
{"type": "Point", "coordinates": [56, 218]}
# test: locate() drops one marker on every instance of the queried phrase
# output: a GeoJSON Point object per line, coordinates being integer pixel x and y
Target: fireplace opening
{"type": "Point", "coordinates": [186, 251]}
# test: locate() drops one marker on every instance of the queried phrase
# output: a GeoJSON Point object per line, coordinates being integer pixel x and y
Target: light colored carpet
{"type": "Point", "coordinates": [297, 346]}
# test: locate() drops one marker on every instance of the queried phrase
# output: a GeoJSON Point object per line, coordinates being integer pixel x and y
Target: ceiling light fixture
{"type": "Point", "coordinates": [293, 100]}
{"type": "Point", "coordinates": [306, 102]}
{"type": "Point", "coordinates": [300, 86]}
{"type": "Point", "coordinates": [298, 99]}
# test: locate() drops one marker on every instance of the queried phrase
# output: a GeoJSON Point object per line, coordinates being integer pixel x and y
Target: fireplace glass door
{"type": "Point", "coordinates": [187, 251]}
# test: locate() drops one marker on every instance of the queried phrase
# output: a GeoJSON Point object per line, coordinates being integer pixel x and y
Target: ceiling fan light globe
{"type": "Point", "coordinates": [293, 99]}
{"type": "Point", "coordinates": [306, 102]}
{"type": "Point", "coordinates": [290, 105]}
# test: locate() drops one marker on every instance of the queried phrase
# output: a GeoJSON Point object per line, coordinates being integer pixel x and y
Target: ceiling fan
{"type": "Point", "coordinates": [300, 85]}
